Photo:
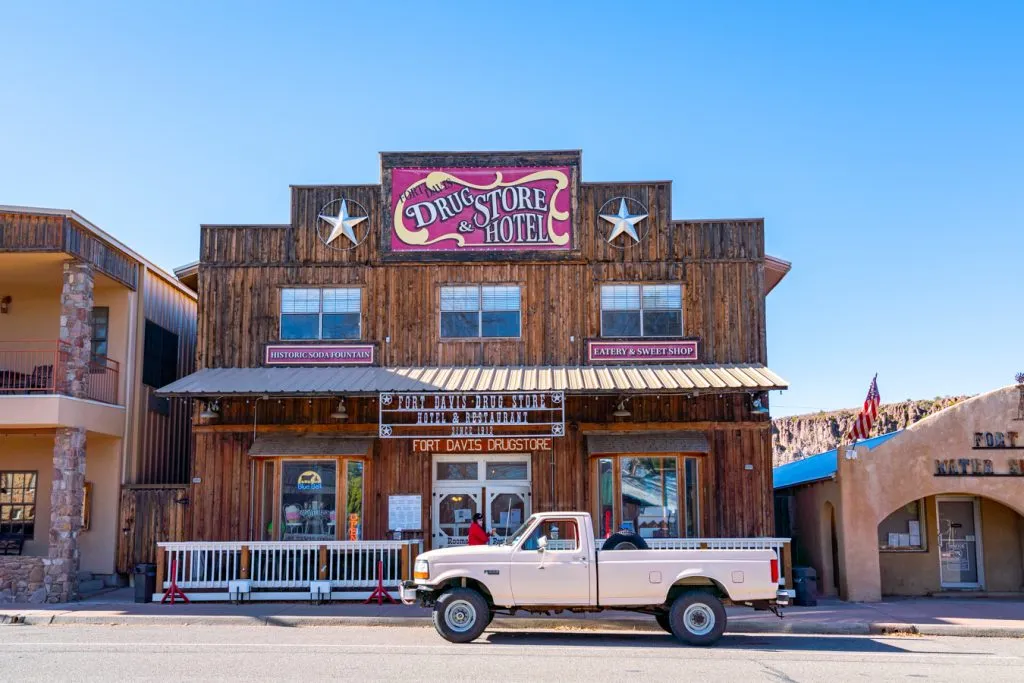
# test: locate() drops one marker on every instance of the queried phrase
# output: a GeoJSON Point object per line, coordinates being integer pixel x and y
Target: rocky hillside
{"type": "Point", "coordinates": [799, 436]}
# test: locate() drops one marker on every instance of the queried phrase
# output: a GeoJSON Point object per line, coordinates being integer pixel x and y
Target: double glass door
{"type": "Point", "coordinates": [496, 486]}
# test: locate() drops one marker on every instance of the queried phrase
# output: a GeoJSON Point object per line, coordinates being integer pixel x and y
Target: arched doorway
{"type": "Point", "coordinates": [951, 542]}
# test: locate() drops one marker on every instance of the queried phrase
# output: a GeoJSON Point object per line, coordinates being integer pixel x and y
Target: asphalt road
{"type": "Point", "coordinates": [111, 653]}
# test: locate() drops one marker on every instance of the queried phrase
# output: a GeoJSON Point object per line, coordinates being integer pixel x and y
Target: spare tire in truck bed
{"type": "Point", "coordinates": [625, 540]}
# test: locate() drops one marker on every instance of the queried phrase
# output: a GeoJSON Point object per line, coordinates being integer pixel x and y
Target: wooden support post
{"type": "Point", "coordinates": [245, 571]}
{"type": "Point", "coordinates": [407, 560]}
{"type": "Point", "coordinates": [787, 564]}
{"type": "Point", "coordinates": [161, 559]}
{"type": "Point", "coordinates": [322, 573]}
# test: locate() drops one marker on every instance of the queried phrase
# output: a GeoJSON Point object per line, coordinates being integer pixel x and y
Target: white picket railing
{"type": "Point", "coordinates": [287, 565]}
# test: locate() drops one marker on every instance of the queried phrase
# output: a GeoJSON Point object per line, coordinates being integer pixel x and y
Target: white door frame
{"type": "Point", "coordinates": [479, 485]}
{"type": "Point", "coordinates": [979, 550]}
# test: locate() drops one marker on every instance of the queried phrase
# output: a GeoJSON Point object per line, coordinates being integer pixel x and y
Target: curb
{"type": "Point", "coordinates": [779, 626]}
{"type": "Point", "coordinates": [959, 630]}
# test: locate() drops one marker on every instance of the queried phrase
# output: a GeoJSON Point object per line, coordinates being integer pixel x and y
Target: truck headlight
{"type": "Point", "coordinates": [421, 570]}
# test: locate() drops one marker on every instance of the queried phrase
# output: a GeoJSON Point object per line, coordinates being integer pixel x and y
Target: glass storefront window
{"type": "Point", "coordinates": [650, 496]}
{"type": "Point", "coordinates": [507, 471]}
{"type": "Point", "coordinates": [605, 498]}
{"type": "Point", "coordinates": [457, 471]}
{"type": "Point", "coordinates": [692, 498]}
{"type": "Point", "coordinates": [308, 500]}
{"type": "Point", "coordinates": [354, 507]}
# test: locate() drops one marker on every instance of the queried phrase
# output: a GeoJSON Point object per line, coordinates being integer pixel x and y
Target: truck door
{"type": "Point", "coordinates": [557, 575]}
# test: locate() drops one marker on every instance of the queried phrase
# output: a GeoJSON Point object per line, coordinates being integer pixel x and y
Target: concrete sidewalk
{"type": "Point", "coordinates": [925, 616]}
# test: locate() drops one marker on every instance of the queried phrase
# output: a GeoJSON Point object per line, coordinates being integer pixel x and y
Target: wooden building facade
{"type": "Point", "coordinates": [480, 280]}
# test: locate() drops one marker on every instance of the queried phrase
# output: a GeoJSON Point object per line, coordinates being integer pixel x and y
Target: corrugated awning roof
{"type": "Point", "coordinates": [619, 379]}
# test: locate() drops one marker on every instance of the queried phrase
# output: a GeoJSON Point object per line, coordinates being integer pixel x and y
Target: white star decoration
{"type": "Point", "coordinates": [624, 223]}
{"type": "Point", "coordinates": [342, 224]}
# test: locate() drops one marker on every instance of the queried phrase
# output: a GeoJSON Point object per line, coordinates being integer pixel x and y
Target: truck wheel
{"type": "Point", "coordinates": [697, 618]}
{"type": "Point", "coordinates": [663, 621]}
{"type": "Point", "coordinates": [461, 615]}
{"type": "Point", "coordinates": [625, 540]}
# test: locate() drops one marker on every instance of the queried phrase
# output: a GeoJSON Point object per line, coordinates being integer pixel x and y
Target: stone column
{"type": "Point", "coordinates": [68, 490]}
{"type": "Point", "coordinates": [76, 302]}
{"type": "Point", "coordinates": [66, 499]}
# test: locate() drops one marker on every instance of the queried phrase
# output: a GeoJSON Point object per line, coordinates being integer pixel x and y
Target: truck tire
{"type": "Point", "coordinates": [461, 615]}
{"type": "Point", "coordinates": [697, 618]}
{"type": "Point", "coordinates": [625, 540]}
{"type": "Point", "coordinates": [663, 621]}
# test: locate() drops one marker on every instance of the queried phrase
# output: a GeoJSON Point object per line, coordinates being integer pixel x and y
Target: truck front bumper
{"type": "Point", "coordinates": [408, 592]}
{"type": "Point", "coordinates": [784, 596]}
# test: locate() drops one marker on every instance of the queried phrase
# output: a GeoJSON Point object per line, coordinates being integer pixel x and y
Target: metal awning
{"type": "Point", "coordinates": [274, 445]}
{"type": "Point", "coordinates": [591, 379]}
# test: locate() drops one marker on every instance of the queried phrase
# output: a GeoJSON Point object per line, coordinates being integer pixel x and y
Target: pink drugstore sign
{"type": "Point", "coordinates": [321, 354]}
{"type": "Point", "coordinates": [650, 351]}
{"type": "Point", "coordinates": [481, 209]}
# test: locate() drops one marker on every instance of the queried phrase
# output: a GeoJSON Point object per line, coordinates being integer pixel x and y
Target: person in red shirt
{"type": "Point", "coordinates": [477, 534]}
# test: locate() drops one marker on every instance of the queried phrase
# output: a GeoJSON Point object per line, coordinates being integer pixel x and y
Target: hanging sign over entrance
{"type": "Point", "coordinates": [481, 209]}
{"type": "Point", "coordinates": [424, 415]}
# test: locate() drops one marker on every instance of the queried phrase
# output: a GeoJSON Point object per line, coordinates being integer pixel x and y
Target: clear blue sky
{"type": "Point", "coordinates": [882, 142]}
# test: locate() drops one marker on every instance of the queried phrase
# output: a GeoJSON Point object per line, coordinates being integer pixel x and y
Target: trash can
{"type": "Point", "coordinates": [805, 583]}
{"type": "Point", "coordinates": [145, 582]}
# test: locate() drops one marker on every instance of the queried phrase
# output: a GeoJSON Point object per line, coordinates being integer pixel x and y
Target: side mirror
{"type": "Point", "coordinates": [542, 543]}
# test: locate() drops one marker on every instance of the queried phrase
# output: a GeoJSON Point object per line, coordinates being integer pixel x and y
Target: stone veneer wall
{"type": "Point", "coordinates": [22, 579]}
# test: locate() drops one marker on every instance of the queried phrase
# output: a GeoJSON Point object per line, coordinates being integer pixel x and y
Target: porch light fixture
{"type": "Point", "coordinates": [211, 411]}
{"type": "Point", "coordinates": [5, 305]}
{"type": "Point", "coordinates": [340, 413]}
{"type": "Point", "coordinates": [621, 410]}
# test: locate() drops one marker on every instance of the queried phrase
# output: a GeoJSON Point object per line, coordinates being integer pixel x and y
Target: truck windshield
{"type": "Point", "coordinates": [514, 537]}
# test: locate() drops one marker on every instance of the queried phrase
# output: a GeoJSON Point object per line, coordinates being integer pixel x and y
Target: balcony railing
{"type": "Point", "coordinates": [37, 367]}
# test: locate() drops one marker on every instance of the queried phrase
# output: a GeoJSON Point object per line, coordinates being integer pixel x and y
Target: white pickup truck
{"type": "Point", "coordinates": [551, 564]}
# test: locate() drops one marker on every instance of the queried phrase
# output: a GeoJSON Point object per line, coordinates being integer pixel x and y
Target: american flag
{"type": "Point", "coordinates": [862, 425]}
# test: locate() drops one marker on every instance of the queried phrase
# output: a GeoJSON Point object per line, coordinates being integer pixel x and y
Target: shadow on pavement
{"type": "Point", "coordinates": [781, 643]}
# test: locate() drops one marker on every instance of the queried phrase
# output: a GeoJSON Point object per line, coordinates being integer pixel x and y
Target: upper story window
{"type": "Point", "coordinates": [641, 311]}
{"type": "Point", "coordinates": [321, 313]}
{"type": "Point", "coordinates": [100, 319]}
{"type": "Point", "coordinates": [480, 311]}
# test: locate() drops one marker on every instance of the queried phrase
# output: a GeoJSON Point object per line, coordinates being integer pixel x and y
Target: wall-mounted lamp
{"type": "Point", "coordinates": [340, 413]}
{"type": "Point", "coordinates": [621, 410]}
{"type": "Point", "coordinates": [5, 305]}
{"type": "Point", "coordinates": [210, 411]}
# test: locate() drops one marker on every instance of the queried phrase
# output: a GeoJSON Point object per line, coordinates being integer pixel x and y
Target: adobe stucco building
{"type": "Point", "coordinates": [934, 508]}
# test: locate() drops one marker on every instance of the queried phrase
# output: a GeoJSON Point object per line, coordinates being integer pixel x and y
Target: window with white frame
{"type": "Point", "coordinates": [321, 313]}
{"type": "Point", "coordinates": [641, 311]}
{"type": "Point", "coordinates": [480, 311]}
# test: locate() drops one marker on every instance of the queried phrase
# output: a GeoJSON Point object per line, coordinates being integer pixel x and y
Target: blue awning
{"type": "Point", "coordinates": [817, 467]}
